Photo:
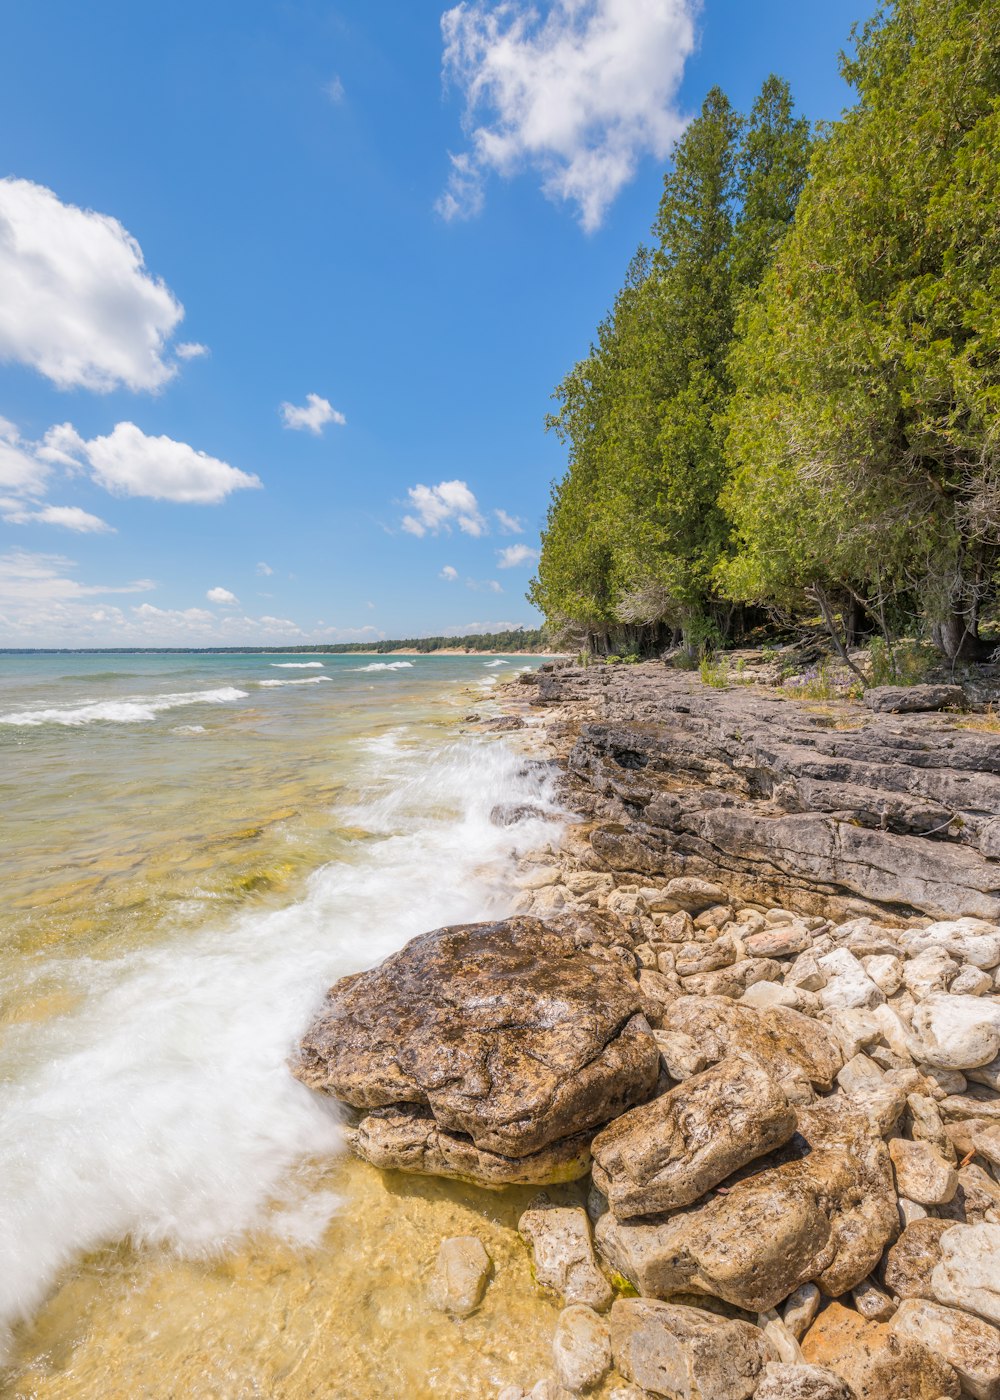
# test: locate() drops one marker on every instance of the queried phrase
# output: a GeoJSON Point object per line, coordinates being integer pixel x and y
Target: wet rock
{"type": "Point", "coordinates": [912, 1260]}
{"type": "Point", "coordinates": [518, 1033]}
{"type": "Point", "coordinates": [667, 1153]}
{"type": "Point", "coordinates": [921, 1173]}
{"type": "Point", "coordinates": [562, 1251]}
{"type": "Point", "coordinates": [968, 1274]}
{"type": "Point", "coordinates": [510, 813]}
{"type": "Point", "coordinates": [787, 1043]}
{"type": "Point", "coordinates": [874, 1361]}
{"type": "Point", "coordinates": [460, 1275]}
{"type": "Point", "coordinates": [967, 1343]}
{"type": "Point", "coordinates": [957, 1032]}
{"type": "Point", "coordinates": [800, 1382]}
{"type": "Point", "coordinates": [581, 1348]}
{"type": "Point", "coordinates": [503, 724]}
{"type": "Point", "coordinates": [672, 1350]}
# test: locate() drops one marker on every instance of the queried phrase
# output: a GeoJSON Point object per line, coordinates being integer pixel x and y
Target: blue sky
{"type": "Point", "coordinates": [305, 179]}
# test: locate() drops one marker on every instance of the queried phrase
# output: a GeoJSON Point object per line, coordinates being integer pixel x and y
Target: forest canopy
{"type": "Point", "coordinates": [791, 408]}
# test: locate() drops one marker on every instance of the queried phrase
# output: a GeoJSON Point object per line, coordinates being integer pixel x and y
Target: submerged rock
{"type": "Point", "coordinates": [516, 1034]}
{"type": "Point", "coordinates": [562, 1252]}
{"type": "Point", "coordinates": [581, 1348]}
{"type": "Point", "coordinates": [460, 1275]}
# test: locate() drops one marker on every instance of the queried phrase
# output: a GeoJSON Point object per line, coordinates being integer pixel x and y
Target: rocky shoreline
{"type": "Point", "coordinates": [749, 1002]}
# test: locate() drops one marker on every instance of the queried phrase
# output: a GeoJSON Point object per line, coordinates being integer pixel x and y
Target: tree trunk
{"type": "Point", "coordinates": [957, 638]}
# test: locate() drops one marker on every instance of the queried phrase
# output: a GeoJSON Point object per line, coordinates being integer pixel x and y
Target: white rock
{"type": "Point", "coordinates": [970, 940]}
{"type": "Point", "coordinates": [801, 1308]}
{"type": "Point", "coordinates": [930, 971]}
{"type": "Point", "coordinates": [910, 1211]}
{"type": "Point", "coordinates": [871, 1302]}
{"type": "Point", "coordinates": [460, 1275]}
{"type": "Point", "coordinates": [681, 1054]}
{"type": "Point", "coordinates": [562, 1251]}
{"type": "Point", "coordinates": [848, 984]}
{"type": "Point", "coordinates": [956, 1032]}
{"type": "Point", "coordinates": [855, 1030]}
{"type": "Point", "coordinates": [784, 1342]}
{"type": "Point", "coordinates": [801, 1382]}
{"type": "Point", "coordinates": [763, 995]}
{"type": "Point", "coordinates": [779, 916]}
{"type": "Point", "coordinates": [539, 877]}
{"type": "Point", "coordinates": [986, 1074]}
{"type": "Point", "coordinates": [859, 1076]}
{"type": "Point", "coordinates": [922, 1174]}
{"type": "Point", "coordinates": [581, 1348]}
{"type": "Point", "coordinates": [971, 982]}
{"type": "Point", "coordinates": [967, 1343]}
{"type": "Point", "coordinates": [886, 970]}
{"type": "Point", "coordinates": [968, 1274]}
{"type": "Point", "coordinates": [895, 1032]}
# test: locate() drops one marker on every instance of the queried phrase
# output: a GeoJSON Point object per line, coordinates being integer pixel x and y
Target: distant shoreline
{"type": "Point", "coordinates": [266, 651]}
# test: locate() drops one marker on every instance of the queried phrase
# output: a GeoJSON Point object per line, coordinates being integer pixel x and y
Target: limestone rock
{"type": "Point", "coordinates": [667, 1153]}
{"type": "Point", "coordinates": [581, 1348]}
{"type": "Point", "coordinates": [921, 1173]}
{"type": "Point", "coordinates": [871, 1302]}
{"type": "Point", "coordinates": [909, 699]}
{"type": "Point", "coordinates": [847, 983]}
{"type": "Point", "coordinates": [784, 1041]}
{"type": "Point", "coordinates": [410, 1141]}
{"type": "Point", "coordinates": [799, 1382]}
{"type": "Point", "coordinates": [460, 1275]}
{"type": "Point", "coordinates": [672, 1350]}
{"type": "Point", "coordinates": [969, 940]}
{"type": "Point", "coordinates": [957, 1032]}
{"type": "Point", "coordinates": [967, 1343]}
{"type": "Point", "coordinates": [784, 941]}
{"type": "Point", "coordinates": [692, 894]}
{"type": "Point", "coordinates": [885, 970]}
{"type": "Point", "coordinates": [517, 1033]}
{"type": "Point", "coordinates": [912, 1260]}
{"type": "Point", "coordinates": [968, 1274]}
{"type": "Point", "coordinates": [562, 1251]}
{"type": "Point", "coordinates": [874, 1361]}
{"type": "Point", "coordinates": [801, 1308]}
{"type": "Point", "coordinates": [929, 972]}
{"type": "Point", "coordinates": [971, 982]}
{"type": "Point", "coordinates": [680, 1053]}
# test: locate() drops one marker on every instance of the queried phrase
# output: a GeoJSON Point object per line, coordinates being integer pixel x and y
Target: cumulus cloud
{"type": "Point", "coordinates": [69, 517]}
{"type": "Point", "coordinates": [437, 508]}
{"type": "Point", "coordinates": [313, 416]}
{"type": "Point", "coordinates": [221, 595]}
{"type": "Point", "coordinates": [509, 524]}
{"type": "Point", "coordinates": [128, 463]}
{"type": "Point", "coordinates": [448, 574]}
{"type": "Point", "coordinates": [21, 471]}
{"type": "Point", "coordinates": [191, 350]}
{"type": "Point", "coordinates": [77, 303]}
{"type": "Point", "coordinates": [578, 94]}
{"type": "Point", "coordinates": [515, 555]}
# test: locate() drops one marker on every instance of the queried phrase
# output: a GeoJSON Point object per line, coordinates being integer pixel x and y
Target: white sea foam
{"type": "Point", "coordinates": [131, 709]}
{"type": "Point", "coordinates": [163, 1109]}
{"type": "Point", "coordinates": [297, 665]}
{"type": "Point", "coordinates": [301, 680]}
{"type": "Point", "coordinates": [188, 729]}
{"type": "Point", "coordinates": [384, 666]}
{"type": "Point", "coordinates": [497, 663]}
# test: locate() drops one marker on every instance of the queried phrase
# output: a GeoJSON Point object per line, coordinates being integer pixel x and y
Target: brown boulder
{"type": "Point", "coordinates": [913, 1258]}
{"type": "Point", "coordinates": [874, 1361]}
{"type": "Point", "coordinates": [518, 1033]}
{"type": "Point", "coordinates": [787, 1043]}
{"type": "Point", "coordinates": [671, 1350]}
{"type": "Point", "coordinates": [669, 1152]}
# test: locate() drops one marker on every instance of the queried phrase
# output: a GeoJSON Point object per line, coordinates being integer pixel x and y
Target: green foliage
{"type": "Point", "coordinates": [714, 672]}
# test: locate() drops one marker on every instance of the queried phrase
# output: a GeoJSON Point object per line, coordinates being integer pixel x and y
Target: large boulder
{"type": "Point", "coordinates": [968, 1274]}
{"type": "Point", "coordinates": [876, 1362]}
{"type": "Point", "coordinates": [517, 1034]}
{"type": "Point", "coordinates": [792, 1047]}
{"type": "Point", "coordinates": [967, 1343]}
{"type": "Point", "coordinates": [825, 1218]}
{"type": "Point", "coordinates": [672, 1350]}
{"type": "Point", "coordinates": [667, 1153]}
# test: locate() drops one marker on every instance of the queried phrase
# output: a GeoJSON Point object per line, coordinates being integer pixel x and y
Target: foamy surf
{"type": "Point", "coordinates": [297, 665]}
{"type": "Point", "coordinates": [132, 709]}
{"type": "Point", "coordinates": [384, 666]}
{"type": "Point", "coordinates": [162, 1108]}
{"type": "Point", "coordinates": [300, 680]}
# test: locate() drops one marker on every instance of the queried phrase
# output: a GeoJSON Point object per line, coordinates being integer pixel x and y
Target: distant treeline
{"type": "Point", "coordinates": [793, 406]}
{"type": "Point", "coordinates": [521, 639]}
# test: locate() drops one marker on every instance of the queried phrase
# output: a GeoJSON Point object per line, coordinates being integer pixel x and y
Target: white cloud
{"type": "Point", "coordinates": [334, 90]}
{"type": "Point", "coordinates": [21, 472]}
{"type": "Point", "coordinates": [264, 570]}
{"type": "Point", "coordinates": [76, 300]}
{"type": "Point", "coordinates": [191, 350]}
{"type": "Point", "coordinates": [221, 595]}
{"type": "Point", "coordinates": [509, 524]}
{"type": "Point", "coordinates": [313, 417]}
{"type": "Point", "coordinates": [578, 94]}
{"type": "Point", "coordinates": [128, 463]}
{"type": "Point", "coordinates": [436, 507]}
{"type": "Point", "coordinates": [69, 517]}
{"type": "Point", "coordinates": [515, 555]}
{"type": "Point", "coordinates": [448, 574]}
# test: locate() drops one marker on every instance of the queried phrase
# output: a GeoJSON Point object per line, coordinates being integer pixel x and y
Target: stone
{"type": "Point", "coordinates": [847, 983]}
{"type": "Point", "coordinates": [987, 1143]}
{"type": "Point", "coordinates": [871, 1302]}
{"type": "Point", "coordinates": [968, 1273]}
{"type": "Point", "coordinates": [562, 1252]}
{"type": "Point", "coordinates": [860, 1076]}
{"type": "Point", "coordinates": [886, 971]}
{"type": "Point", "coordinates": [672, 1350]}
{"type": "Point", "coordinates": [581, 1348]}
{"type": "Point", "coordinates": [733, 981]}
{"type": "Point", "coordinates": [927, 1125]}
{"type": "Point", "coordinates": [680, 1053]}
{"type": "Point", "coordinates": [667, 1153]}
{"type": "Point", "coordinates": [930, 971]}
{"type": "Point", "coordinates": [922, 1174]}
{"type": "Point", "coordinates": [912, 1260]}
{"type": "Point", "coordinates": [548, 1390]}
{"type": "Point", "coordinates": [782, 1341]}
{"type": "Point", "coordinates": [805, 972]}
{"type": "Point", "coordinates": [460, 1276]}
{"type": "Point", "coordinates": [692, 958]}
{"type": "Point", "coordinates": [909, 699]}
{"type": "Point", "coordinates": [910, 1211]}
{"type": "Point", "coordinates": [715, 917]}
{"type": "Point", "coordinates": [503, 724]}
{"type": "Point", "coordinates": [976, 1200]}
{"type": "Point", "coordinates": [784, 1041]}
{"type": "Point", "coordinates": [823, 1218]}
{"type": "Point", "coordinates": [784, 941]}
{"type": "Point", "coordinates": [693, 895]}
{"type": "Point", "coordinates": [763, 995]}
{"type": "Point", "coordinates": [957, 1032]}
{"type": "Point", "coordinates": [969, 940]}
{"type": "Point", "coordinates": [409, 1140]}
{"type": "Point", "coordinates": [874, 1361]}
{"type": "Point", "coordinates": [800, 1382]}
{"type": "Point", "coordinates": [855, 1029]}
{"type": "Point", "coordinates": [967, 1343]}
{"type": "Point", "coordinates": [801, 1307]}
{"type": "Point", "coordinates": [518, 1033]}
{"type": "Point", "coordinates": [971, 982]}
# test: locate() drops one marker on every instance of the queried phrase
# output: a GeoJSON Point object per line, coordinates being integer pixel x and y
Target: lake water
{"type": "Point", "coordinates": [193, 848]}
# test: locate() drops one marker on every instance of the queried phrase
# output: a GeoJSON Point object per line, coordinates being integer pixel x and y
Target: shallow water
{"type": "Point", "coordinates": [192, 849]}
